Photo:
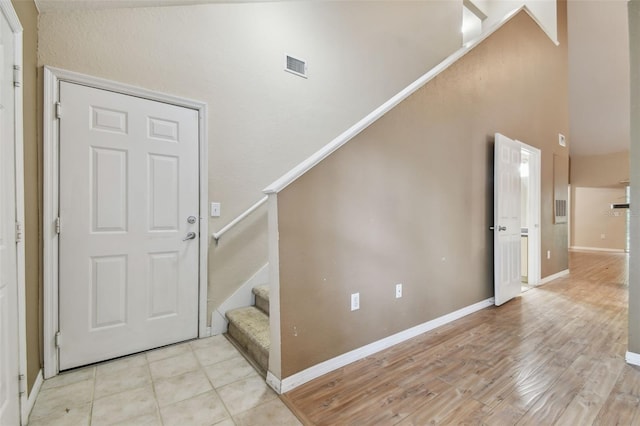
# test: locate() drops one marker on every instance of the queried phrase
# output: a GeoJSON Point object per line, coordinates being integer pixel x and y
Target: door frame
{"type": "Point", "coordinates": [52, 78]}
{"type": "Point", "coordinates": [534, 205]}
{"type": "Point", "coordinates": [6, 8]}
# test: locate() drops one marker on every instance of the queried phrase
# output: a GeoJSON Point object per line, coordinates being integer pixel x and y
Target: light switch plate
{"type": "Point", "coordinates": [215, 209]}
{"type": "Point", "coordinates": [398, 291]}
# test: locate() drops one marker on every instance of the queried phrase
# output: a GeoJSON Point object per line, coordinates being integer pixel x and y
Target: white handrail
{"type": "Point", "coordinates": [240, 218]}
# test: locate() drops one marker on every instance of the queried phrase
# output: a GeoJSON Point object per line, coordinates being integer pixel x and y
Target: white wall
{"type": "Point", "coordinates": [262, 120]}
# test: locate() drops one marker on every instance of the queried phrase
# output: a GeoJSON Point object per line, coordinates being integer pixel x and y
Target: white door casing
{"type": "Point", "coordinates": [507, 279]}
{"type": "Point", "coordinates": [533, 213]}
{"type": "Point", "coordinates": [51, 171]}
{"type": "Point", "coordinates": [129, 201]}
{"type": "Point", "coordinates": [11, 212]}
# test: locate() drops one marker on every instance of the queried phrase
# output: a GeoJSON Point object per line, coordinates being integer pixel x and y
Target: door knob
{"type": "Point", "coordinates": [502, 228]}
{"type": "Point", "coordinates": [190, 236]}
{"type": "Point", "coordinates": [191, 219]}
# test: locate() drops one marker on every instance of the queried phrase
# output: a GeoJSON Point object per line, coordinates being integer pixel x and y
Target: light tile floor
{"type": "Point", "coordinates": [204, 382]}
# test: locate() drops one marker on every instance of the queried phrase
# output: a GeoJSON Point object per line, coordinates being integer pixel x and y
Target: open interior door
{"type": "Point", "coordinates": [506, 196]}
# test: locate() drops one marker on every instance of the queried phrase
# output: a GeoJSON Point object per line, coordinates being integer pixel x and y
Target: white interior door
{"type": "Point", "coordinates": [9, 343]}
{"type": "Point", "coordinates": [506, 195]}
{"type": "Point", "coordinates": [129, 240]}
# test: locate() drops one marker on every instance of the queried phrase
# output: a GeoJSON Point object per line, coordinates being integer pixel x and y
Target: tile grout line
{"type": "Point", "coordinates": [200, 368]}
{"type": "Point", "coordinates": [226, 409]}
{"type": "Point", "coordinates": [153, 389]}
{"type": "Point", "coordinates": [93, 394]}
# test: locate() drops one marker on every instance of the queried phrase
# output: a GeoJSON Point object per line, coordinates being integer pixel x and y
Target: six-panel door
{"type": "Point", "coordinates": [507, 181]}
{"type": "Point", "coordinates": [128, 186]}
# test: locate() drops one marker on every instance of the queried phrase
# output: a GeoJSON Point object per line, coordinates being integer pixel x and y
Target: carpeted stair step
{"type": "Point", "coordinates": [262, 297]}
{"type": "Point", "coordinates": [249, 329]}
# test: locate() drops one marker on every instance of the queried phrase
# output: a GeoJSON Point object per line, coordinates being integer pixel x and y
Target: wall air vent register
{"type": "Point", "coordinates": [296, 66]}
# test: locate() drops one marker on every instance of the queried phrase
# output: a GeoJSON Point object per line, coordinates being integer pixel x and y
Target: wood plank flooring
{"type": "Point", "coordinates": [553, 356]}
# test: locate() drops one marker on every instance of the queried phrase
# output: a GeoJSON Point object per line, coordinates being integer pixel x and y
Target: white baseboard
{"type": "Point", "coordinates": [608, 250]}
{"type": "Point", "coordinates": [242, 297]}
{"type": "Point", "coordinates": [31, 399]}
{"type": "Point", "coordinates": [274, 382]}
{"type": "Point", "coordinates": [632, 358]}
{"type": "Point", "coordinates": [292, 382]}
{"type": "Point", "coordinates": [554, 277]}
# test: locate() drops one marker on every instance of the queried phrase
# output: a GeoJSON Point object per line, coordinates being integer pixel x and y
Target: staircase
{"type": "Point", "coordinates": [249, 329]}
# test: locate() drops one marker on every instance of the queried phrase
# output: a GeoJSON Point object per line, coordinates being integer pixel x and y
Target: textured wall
{"type": "Point", "coordinates": [409, 200]}
{"type": "Point", "coordinates": [262, 120]}
{"type": "Point", "coordinates": [606, 170]}
{"type": "Point", "coordinates": [543, 10]}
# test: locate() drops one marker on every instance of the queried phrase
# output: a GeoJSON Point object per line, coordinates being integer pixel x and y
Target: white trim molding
{"type": "Point", "coordinates": [292, 382]}
{"type": "Point", "coordinates": [632, 358]}
{"type": "Point", "coordinates": [33, 395]}
{"type": "Point", "coordinates": [555, 276]}
{"type": "Point", "coordinates": [52, 79]}
{"type": "Point", "coordinates": [6, 7]}
{"type": "Point", "coordinates": [273, 237]}
{"type": "Point", "coordinates": [535, 200]}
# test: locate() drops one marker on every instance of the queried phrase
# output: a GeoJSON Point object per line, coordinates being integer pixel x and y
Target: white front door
{"type": "Point", "coordinates": [129, 240]}
{"type": "Point", "coordinates": [507, 280]}
{"type": "Point", "coordinates": [9, 361]}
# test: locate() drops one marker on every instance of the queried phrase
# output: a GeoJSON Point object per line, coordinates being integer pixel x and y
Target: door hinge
{"type": "Point", "coordinates": [19, 232]}
{"type": "Point", "coordinates": [58, 110]}
{"type": "Point", "coordinates": [57, 339]}
{"type": "Point", "coordinates": [58, 225]}
{"type": "Point", "coordinates": [22, 384]}
{"type": "Point", "coordinates": [17, 76]}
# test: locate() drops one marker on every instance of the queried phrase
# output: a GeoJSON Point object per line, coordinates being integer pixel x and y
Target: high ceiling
{"type": "Point", "coordinates": [598, 76]}
{"type": "Point", "coordinates": [52, 5]}
{"type": "Point", "coordinates": [598, 67]}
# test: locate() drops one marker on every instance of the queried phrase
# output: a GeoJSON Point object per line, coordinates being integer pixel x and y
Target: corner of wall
{"type": "Point", "coordinates": [275, 355]}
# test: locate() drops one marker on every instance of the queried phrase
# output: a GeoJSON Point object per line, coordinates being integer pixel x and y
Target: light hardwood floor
{"type": "Point", "coordinates": [554, 355]}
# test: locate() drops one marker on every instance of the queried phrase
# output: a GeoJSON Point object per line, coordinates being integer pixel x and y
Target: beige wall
{"type": "Point", "coordinates": [28, 15]}
{"type": "Point", "coordinates": [543, 10]}
{"type": "Point", "coordinates": [594, 224]}
{"type": "Point", "coordinates": [595, 184]}
{"type": "Point", "coordinates": [604, 170]}
{"type": "Point", "coordinates": [409, 200]}
{"type": "Point", "coordinates": [634, 264]}
{"type": "Point", "coordinates": [262, 120]}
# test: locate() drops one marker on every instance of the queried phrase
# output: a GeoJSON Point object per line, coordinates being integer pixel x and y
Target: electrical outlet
{"type": "Point", "coordinates": [548, 254]}
{"type": "Point", "coordinates": [398, 291]}
{"type": "Point", "coordinates": [602, 236]}
{"type": "Point", "coordinates": [355, 301]}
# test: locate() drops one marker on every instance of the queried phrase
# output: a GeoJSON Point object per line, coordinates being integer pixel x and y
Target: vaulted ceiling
{"type": "Point", "coordinates": [598, 76]}
{"type": "Point", "coordinates": [598, 66]}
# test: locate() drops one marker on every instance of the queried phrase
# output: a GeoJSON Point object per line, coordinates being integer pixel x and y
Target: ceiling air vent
{"type": "Point", "coordinates": [296, 66]}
